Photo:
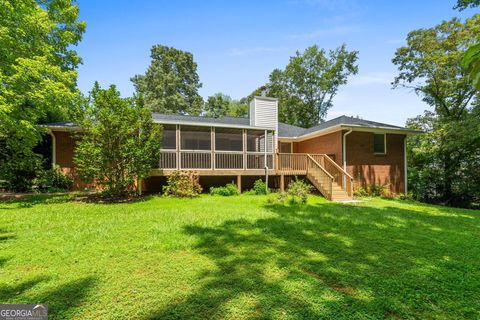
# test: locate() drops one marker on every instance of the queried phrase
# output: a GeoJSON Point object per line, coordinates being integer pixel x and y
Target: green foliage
{"type": "Point", "coordinates": [171, 82]}
{"type": "Point", "coordinates": [182, 184]}
{"type": "Point", "coordinates": [471, 64]}
{"type": "Point", "coordinates": [37, 73]}
{"type": "Point", "coordinates": [430, 65]}
{"type": "Point", "coordinates": [259, 187]}
{"type": "Point", "coordinates": [298, 191]}
{"type": "Point", "coordinates": [464, 4]}
{"type": "Point", "coordinates": [444, 160]}
{"type": "Point", "coordinates": [373, 190]}
{"type": "Point", "coordinates": [307, 85]}
{"type": "Point", "coordinates": [230, 189]}
{"type": "Point", "coordinates": [221, 105]}
{"type": "Point", "coordinates": [119, 144]}
{"type": "Point", "coordinates": [361, 192]}
{"type": "Point", "coordinates": [53, 180]}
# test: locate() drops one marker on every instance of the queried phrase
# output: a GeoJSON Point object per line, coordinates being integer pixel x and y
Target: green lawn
{"type": "Point", "coordinates": [240, 258]}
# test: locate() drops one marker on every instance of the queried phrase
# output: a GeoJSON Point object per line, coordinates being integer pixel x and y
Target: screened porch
{"type": "Point", "coordinates": [216, 148]}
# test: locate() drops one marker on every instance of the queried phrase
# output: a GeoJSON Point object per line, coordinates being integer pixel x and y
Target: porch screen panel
{"type": "Point", "coordinates": [228, 139]}
{"type": "Point", "coordinates": [168, 137]}
{"type": "Point", "coordinates": [256, 141]}
{"type": "Point", "coordinates": [195, 138]}
{"type": "Point", "coordinates": [257, 156]}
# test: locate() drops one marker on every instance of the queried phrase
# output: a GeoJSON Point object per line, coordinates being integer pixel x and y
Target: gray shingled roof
{"type": "Point", "coordinates": [284, 130]}
{"type": "Point", "coordinates": [237, 121]}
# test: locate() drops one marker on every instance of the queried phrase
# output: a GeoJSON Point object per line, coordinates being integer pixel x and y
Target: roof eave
{"type": "Point", "coordinates": [211, 124]}
{"type": "Point", "coordinates": [354, 127]}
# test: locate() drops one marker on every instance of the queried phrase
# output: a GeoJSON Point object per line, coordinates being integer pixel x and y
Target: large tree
{"type": "Point", "coordinates": [307, 85]}
{"type": "Point", "coordinates": [471, 60]}
{"type": "Point", "coordinates": [119, 142]}
{"type": "Point", "coordinates": [221, 105]}
{"type": "Point", "coordinates": [37, 76]}
{"type": "Point", "coordinates": [171, 82]}
{"type": "Point", "coordinates": [430, 64]}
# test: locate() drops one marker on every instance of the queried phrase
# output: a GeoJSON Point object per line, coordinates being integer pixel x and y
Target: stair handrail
{"type": "Point", "coordinates": [337, 166]}
{"type": "Point", "coordinates": [327, 190]}
{"type": "Point", "coordinates": [347, 179]}
{"type": "Point", "coordinates": [318, 165]}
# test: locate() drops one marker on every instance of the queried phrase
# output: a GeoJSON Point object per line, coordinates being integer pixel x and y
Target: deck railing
{"type": "Point", "coordinates": [215, 160]}
{"type": "Point", "coordinates": [284, 163]}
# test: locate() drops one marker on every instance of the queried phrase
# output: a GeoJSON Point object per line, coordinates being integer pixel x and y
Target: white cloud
{"type": "Point", "coordinates": [372, 78]}
{"type": "Point", "coordinates": [339, 30]}
{"type": "Point", "coordinates": [253, 50]}
{"type": "Point", "coordinates": [332, 5]}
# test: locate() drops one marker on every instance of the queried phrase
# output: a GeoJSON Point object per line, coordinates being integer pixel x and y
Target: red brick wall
{"type": "Point", "coordinates": [368, 168]}
{"type": "Point", "coordinates": [64, 152]}
{"type": "Point", "coordinates": [328, 144]}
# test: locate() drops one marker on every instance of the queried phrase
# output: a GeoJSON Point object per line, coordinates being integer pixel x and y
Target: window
{"type": "Point", "coordinates": [227, 139]}
{"type": "Point", "coordinates": [169, 141]}
{"type": "Point", "coordinates": [380, 143]}
{"type": "Point", "coordinates": [195, 138]}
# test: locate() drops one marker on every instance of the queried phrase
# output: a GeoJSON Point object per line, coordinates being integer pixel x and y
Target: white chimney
{"type": "Point", "coordinates": [264, 112]}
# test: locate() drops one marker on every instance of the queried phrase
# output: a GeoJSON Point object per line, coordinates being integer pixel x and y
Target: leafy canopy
{"type": "Point", "coordinates": [119, 143]}
{"type": "Point", "coordinates": [464, 4]}
{"type": "Point", "coordinates": [430, 64]}
{"type": "Point", "coordinates": [307, 85]}
{"type": "Point", "coordinates": [221, 105]}
{"type": "Point", "coordinates": [171, 82]}
{"type": "Point", "coordinates": [38, 77]}
{"type": "Point", "coordinates": [445, 160]}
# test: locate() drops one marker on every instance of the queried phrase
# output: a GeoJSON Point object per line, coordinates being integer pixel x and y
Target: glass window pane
{"type": "Point", "coordinates": [168, 137]}
{"type": "Point", "coordinates": [228, 139]}
{"type": "Point", "coordinates": [195, 138]}
{"type": "Point", "coordinates": [379, 143]}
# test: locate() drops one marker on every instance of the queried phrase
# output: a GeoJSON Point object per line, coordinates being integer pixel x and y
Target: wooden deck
{"type": "Point", "coordinates": [324, 173]}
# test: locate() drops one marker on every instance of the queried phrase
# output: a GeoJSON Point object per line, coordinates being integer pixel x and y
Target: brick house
{"type": "Point", "coordinates": [336, 156]}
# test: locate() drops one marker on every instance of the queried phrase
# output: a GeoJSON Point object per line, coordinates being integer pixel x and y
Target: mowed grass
{"type": "Point", "coordinates": [240, 258]}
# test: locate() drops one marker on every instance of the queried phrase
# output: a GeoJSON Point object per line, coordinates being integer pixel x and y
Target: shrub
{"type": "Point", "coordinates": [182, 184]}
{"type": "Point", "coordinates": [360, 192]}
{"type": "Point", "coordinates": [53, 180]}
{"type": "Point", "coordinates": [374, 190]}
{"type": "Point", "coordinates": [230, 189]}
{"type": "Point", "coordinates": [299, 190]}
{"type": "Point", "coordinates": [259, 187]}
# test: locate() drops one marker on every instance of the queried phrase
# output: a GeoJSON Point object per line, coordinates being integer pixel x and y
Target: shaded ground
{"type": "Point", "coordinates": [241, 258]}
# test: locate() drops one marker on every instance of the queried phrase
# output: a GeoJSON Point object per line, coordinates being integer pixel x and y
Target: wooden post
{"type": "Point", "coordinates": [177, 142]}
{"type": "Point", "coordinates": [239, 183]}
{"type": "Point", "coordinates": [244, 138]}
{"type": "Point", "coordinates": [212, 146]}
{"type": "Point", "coordinates": [282, 183]}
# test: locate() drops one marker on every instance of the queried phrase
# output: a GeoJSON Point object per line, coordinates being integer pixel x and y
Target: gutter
{"type": "Point", "coordinates": [345, 148]}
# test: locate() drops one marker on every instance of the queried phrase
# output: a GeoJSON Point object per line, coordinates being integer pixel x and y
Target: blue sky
{"type": "Point", "coordinates": [236, 44]}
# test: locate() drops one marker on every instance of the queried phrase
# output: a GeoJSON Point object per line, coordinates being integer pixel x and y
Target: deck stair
{"type": "Point", "coordinates": [330, 179]}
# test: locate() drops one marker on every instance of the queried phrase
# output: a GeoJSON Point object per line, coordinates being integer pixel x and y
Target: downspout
{"type": "Point", "coordinates": [345, 156]}
{"type": "Point", "coordinates": [405, 164]}
{"type": "Point", "coordinates": [54, 149]}
{"type": "Point", "coordinates": [345, 148]}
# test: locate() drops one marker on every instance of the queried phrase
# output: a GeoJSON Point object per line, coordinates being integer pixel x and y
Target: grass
{"type": "Point", "coordinates": [240, 258]}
